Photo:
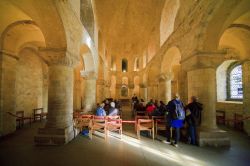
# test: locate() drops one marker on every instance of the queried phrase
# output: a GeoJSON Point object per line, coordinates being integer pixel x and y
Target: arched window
{"type": "Point", "coordinates": [124, 65]}
{"type": "Point", "coordinates": [235, 88]}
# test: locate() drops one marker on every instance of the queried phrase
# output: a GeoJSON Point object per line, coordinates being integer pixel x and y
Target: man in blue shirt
{"type": "Point", "coordinates": [100, 110]}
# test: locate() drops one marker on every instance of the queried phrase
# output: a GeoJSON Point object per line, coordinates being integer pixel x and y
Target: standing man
{"type": "Point", "coordinates": [175, 119]}
{"type": "Point", "coordinates": [193, 118]}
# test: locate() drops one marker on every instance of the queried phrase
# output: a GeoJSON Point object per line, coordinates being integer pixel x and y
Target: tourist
{"type": "Point", "coordinates": [193, 118]}
{"type": "Point", "coordinates": [100, 110]}
{"type": "Point", "coordinates": [113, 111]}
{"type": "Point", "coordinates": [150, 109]}
{"type": "Point", "coordinates": [162, 108]}
{"type": "Point", "coordinates": [175, 119]}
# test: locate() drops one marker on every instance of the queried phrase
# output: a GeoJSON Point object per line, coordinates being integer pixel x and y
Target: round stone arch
{"type": "Point", "coordinates": [21, 33]}
{"type": "Point", "coordinates": [220, 20]}
{"type": "Point", "coordinates": [168, 16]}
{"type": "Point", "coordinates": [170, 71]}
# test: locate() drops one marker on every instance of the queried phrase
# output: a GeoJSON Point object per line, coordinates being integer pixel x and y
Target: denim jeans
{"type": "Point", "coordinates": [192, 134]}
{"type": "Point", "coordinates": [177, 134]}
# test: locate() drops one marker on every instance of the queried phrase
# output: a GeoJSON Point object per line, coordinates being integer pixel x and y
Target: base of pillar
{"type": "Point", "coordinates": [214, 137]}
{"type": "Point", "coordinates": [54, 136]}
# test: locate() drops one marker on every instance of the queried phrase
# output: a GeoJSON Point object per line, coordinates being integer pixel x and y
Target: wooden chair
{"type": "Point", "coordinates": [83, 121]}
{"type": "Point", "coordinates": [114, 123]}
{"type": "Point", "coordinates": [20, 118]}
{"type": "Point", "coordinates": [139, 117]}
{"type": "Point", "coordinates": [145, 125]}
{"type": "Point", "coordinates": [238, 123]}
{"type": "Point", "coordinates": [220, 117]}
{"type": "Point", "coordinates": [99, 123]}
{"type": "Point", "coordinates": [39, 114]}
{"type": "Point", "coordinates": [159, 123]}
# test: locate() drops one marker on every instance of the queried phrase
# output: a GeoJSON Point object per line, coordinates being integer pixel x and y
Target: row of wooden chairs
{"type": "Point", "coordinates": [103, 124]}
{"type": "Point", "coordinates": [236, 120]}
{"type": "Point", "coordinates": [38, 114]}
{"type": "Point", "coordinates": [114, 123]}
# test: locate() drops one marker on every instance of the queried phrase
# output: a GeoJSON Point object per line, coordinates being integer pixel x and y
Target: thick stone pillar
{"type": "Point", "coordinates": [143, 92]}
{"type": "Point", "coordinates": [59, 127]}
{"type": "Point", "coordinates": [164, 88]}
{"type": "Point", "coordinates": [246, 95]}
{"type": "Point", "coordinates": [130, 90]}
{"type": "Point", "coordinates": [100, 92]}
{"type": "Point", "coordinates": [90, 93]}
{"type": "Point", "coordinates": [202, 83]}
{"type": "Point", "coordinates": [8, 63]}
{"type": "Point", "coordinates": [107, 93]}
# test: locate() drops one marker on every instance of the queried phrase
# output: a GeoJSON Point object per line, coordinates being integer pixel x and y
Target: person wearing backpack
{"type": "Point", "coordinates": [175, 119]}
{"type": "Point", "coordinates": [193, 118]}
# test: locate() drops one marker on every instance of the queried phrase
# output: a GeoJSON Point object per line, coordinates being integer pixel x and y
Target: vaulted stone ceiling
{"type": "Point", "coordinates": [127, 26]}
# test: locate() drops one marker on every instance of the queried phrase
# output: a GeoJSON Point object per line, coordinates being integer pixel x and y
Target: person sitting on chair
{"type": "Point", "coordinates": [113, 111]}
{"type": "Point", "coordinates": [100, 110]}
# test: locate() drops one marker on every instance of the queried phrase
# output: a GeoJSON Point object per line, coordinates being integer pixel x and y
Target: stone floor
{"type": "Point", "coordinates": [19, 150]}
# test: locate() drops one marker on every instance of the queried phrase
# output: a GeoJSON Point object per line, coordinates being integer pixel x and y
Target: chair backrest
{"type": "Point", "coordinates": [148, 122]}
{"type": "Point", "coordinates": [38, 110]}
{"type": "Point", "coordinates": [20, 114]}
{"type": "Point", "coordinates": [113, 117]}
{"type": "Point", "coordinates": [99, 119]}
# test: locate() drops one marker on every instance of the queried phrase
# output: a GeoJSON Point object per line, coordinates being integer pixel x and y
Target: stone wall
{"type": "Point", "coordinates": [230, 108]}
{"type": "Point", "coordinates": [29, 83]}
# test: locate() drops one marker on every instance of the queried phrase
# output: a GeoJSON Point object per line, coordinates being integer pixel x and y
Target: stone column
{"type": "Point", "coordinates": [130, 90]}
{"type": "Point", "coordinates": [143, 92]}
{"type": "Point", "coordinates": [202, 83]}
{"type": "Point", "coordinates": [59, 127]}
{"type": "Point", "coordinates": [164, 87]}
{"type": "Point", "coordinates": [8, 63]}
{"type": "Point", "coordinates": [100, 86]}
{"type": "Point", "coordinates": [107, 93]}
{"type": "Point", "coordinates": [90, 93]}
{"type": "Point", "coordinates": [246, 95]}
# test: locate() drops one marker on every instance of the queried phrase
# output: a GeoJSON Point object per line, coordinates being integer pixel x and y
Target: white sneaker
{"type": "Point", "coordinates": [166, 142]}
{"type": "Point", "coordinates": [175, 145]}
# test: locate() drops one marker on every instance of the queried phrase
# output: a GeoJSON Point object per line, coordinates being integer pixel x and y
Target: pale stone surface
{"type": "Point", "coordinates": [31, 85]}
{"type": "Point", "coordinates": [7, 104]}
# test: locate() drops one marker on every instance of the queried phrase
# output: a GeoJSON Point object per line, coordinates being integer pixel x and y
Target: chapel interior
{"type": "Point", "coordinates": [60, 58]}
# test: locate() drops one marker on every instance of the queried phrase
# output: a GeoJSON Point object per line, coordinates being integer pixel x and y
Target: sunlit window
{"type": "Point", "coordinates": [235, 83]}
{"type": "Point", "coordinates": [124, 65]}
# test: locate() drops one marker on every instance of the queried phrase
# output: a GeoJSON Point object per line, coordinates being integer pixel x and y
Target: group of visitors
{"type": "Point", "coordinates": [176, 114]}
{"type": "Point", "coordinates": [108, 107]}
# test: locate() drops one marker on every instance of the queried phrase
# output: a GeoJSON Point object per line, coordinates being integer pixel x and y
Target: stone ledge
{"type": "Point", "coordinates": [54, 136]}
{"type": "Point", "coordinates": [215, 138]}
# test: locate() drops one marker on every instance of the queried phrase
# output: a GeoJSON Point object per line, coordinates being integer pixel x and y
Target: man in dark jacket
{"type": "Point", "coordinates": [193, 118]}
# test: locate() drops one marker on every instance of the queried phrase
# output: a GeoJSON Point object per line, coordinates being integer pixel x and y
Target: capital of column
{"type": "Point", "coordinates": [58, 56]}
{"type": "Point", "coordinates": [205, 59]}
{"type": "Point", "coordinates": [100, 82]}
{"type": "Point", "coordinates": [142, 85]}
{"type": "Point", "coordinates": [9, 54]}
{"type": "Point", "coordinates": [89, 75]}
{"type": "Point", "coordinates": [107, 83]}
{"type": "Point", "coordinates": [165, 77]}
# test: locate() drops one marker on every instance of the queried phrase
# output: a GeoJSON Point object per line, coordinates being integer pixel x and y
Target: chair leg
{"type": "Point", "coordinates": [153, 135]}
{"type": "Point", "coordinates": [138, 134]}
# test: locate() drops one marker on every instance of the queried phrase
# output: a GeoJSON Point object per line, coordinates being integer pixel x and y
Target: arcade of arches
{"type": "Point", "coordinates": [69, 55]}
